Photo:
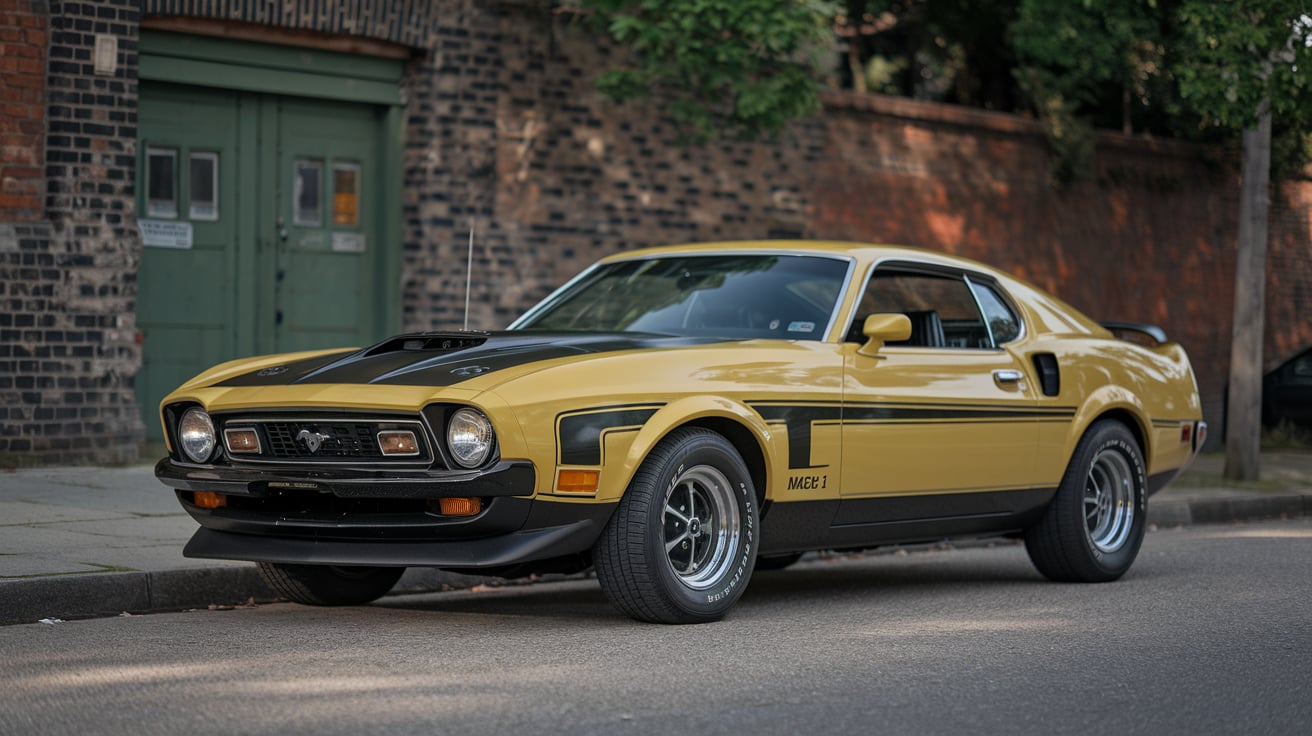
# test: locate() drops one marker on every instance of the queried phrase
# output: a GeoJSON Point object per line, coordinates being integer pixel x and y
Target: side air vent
{"type": "Point", "coordinates": [440, 342]}
{"type": "Point", "coordinates": [1049, 373]}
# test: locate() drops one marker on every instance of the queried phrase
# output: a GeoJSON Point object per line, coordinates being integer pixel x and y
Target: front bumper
{"type": "Point", "coordinates": [346, 516]}
{"type": "Point", "coordinates": [506, 478]}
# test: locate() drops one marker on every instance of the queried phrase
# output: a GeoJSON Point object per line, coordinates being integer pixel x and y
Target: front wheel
{"type": "Point", "coordinates": [681, 546]}
{"type": "Point", "coordinates": [324, 585]}
{"type": "Point", "coordinates": [1094, 525]}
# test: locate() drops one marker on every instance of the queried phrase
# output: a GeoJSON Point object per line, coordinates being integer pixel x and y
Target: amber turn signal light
{"type": "Point", "coordinates": [577, 481]}
{"type": "Point", "coordinates": [241, 441]}
{"type": "Point", "coordinates": [399, 442]}
{"type": "Point", "coordinates": [460, 506]}
{"type": "Point", "coordinates": [209, 499]}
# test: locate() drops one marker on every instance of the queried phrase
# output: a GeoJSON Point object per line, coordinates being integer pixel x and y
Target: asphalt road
{"type": "Point", "coordinates": [1209, 633]}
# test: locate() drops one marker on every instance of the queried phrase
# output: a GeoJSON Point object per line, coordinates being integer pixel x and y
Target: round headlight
{"type": "Point", "coordinates": [196, 435]}
{"type": "Point", "coordinates": [469, 437]}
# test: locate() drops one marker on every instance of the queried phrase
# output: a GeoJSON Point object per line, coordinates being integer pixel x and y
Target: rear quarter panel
{"type": "Point", "coordinates": [1150, 389]}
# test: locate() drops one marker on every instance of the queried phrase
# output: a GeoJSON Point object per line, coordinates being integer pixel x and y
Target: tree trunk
{"type": "Point", "coordinates": [1244, 406]}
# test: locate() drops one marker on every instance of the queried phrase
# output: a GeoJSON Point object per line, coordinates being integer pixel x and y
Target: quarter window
{"type": "Point", "coordinates": [1002, 323]}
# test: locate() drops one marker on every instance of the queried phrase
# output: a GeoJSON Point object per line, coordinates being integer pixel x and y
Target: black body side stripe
{"type": "Point", "coordinates": [579, 434]}
{"type": "Point", "coordinates": [800, 418]}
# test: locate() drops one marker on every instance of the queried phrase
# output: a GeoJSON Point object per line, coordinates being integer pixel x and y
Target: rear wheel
{"type": "Point", "coordinates": [1092, 529]}
{"type": "Point", "coordinates": [681, 546]}
{"type": "Point", "coordinates": [325, 585]}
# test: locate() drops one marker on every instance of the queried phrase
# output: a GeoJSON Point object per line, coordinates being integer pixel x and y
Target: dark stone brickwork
{"type": "Point", "coordinates": [509, 136]}
{"type": "Point", "coordinates": [407, 22]}
{"type": "Point", "coordinates": [67, 349]}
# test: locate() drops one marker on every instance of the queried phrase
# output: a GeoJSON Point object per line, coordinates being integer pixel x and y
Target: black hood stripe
{"type": "Point", "coordinates": [439, 368]}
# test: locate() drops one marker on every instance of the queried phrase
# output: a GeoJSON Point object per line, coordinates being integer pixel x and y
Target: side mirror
{"type": "Point", "coordinates": [880, 328]}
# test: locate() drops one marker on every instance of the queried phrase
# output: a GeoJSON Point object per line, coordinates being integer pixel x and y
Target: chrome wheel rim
{"type": "Point", "coordinates": [703, 527]}
{"type": "Point", "coordinates": [1109, 501]}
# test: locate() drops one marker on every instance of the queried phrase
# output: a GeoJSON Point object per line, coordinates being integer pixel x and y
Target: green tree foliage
{"type": "Point", "coordinates": [1076, 55]}
{"type": "Point", "coordinates": [1234, 55]}
{"type": "Point", "coordinates": [745, 67]}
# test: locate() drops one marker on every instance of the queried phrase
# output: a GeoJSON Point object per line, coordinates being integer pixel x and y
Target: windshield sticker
{"type": "Point", "coordinates": [801, 327]}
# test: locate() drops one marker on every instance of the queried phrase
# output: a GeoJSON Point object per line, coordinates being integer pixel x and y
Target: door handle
{"type": "Point", "coordinates": [1006, 376]}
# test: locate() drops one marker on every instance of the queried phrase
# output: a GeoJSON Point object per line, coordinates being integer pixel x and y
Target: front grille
{"type": "Point", "coordinates": [328, 440]}
{"type": "Point", "coordinates": [344, 440]}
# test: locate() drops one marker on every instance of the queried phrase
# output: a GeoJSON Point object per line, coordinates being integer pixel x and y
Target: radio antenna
{"type": "Point", "coordinates": [469, 274]}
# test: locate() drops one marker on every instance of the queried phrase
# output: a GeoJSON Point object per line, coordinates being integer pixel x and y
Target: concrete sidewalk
{"type": "Point", "coordinates": [91, 541]}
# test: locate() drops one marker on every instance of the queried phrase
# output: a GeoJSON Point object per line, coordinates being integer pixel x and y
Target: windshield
{"type": "Point", "coordinates": [736, 296]}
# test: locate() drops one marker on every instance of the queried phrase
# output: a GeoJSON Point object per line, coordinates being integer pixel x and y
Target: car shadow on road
{"type": "Point", "coordinates": [890, 576]}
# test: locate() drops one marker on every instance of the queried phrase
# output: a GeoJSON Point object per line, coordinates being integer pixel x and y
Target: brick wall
{"type": "Point", "coordinates": [67, 349]}
{"type": "Point", "coordinates": [510, 136]}
{"type": "Point", "coordinates": [505, 133]}
{"type": "Point", "coordinates": [23, 39]}
{"type": "Point", "coordinates": [1289, 270]}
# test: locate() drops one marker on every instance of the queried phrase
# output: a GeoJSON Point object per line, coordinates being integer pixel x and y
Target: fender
{"type": "Point", "coordinates": [679, 413]}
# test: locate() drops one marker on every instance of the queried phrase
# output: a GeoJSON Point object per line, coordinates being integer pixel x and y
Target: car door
{"type": "Point", "coordinates": [943, 424]}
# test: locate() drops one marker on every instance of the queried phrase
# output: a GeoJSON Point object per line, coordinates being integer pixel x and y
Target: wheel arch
{"type": "Point", "coordinates": [1117, 404]}
{"type": "Point", "coordinates": [745, 443]}
{"type": "Point", "coordinates": [741, 427]}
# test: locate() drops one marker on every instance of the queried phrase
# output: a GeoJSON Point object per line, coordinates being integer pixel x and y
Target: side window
{"type": "Point", "coordinates": [942, 309]}
{"type": "Point", "coordinates": [1002, 322]}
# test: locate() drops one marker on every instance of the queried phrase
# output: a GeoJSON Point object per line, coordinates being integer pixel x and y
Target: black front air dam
{"type": "Point", "coordinates": [526, 545]}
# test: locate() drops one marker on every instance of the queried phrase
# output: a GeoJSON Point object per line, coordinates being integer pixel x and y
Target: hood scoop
{"type": "Point", "coordinates": [428, 342]}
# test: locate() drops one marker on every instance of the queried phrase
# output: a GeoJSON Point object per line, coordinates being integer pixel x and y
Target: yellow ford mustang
{"type": "Point", "coordinates": [678, 417]}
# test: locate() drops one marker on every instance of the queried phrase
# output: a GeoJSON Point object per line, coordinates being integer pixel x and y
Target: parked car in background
{"type": "Point", "coordinates": [1287, 393]}
{"type": "Point", "coordinates": [678, 417]}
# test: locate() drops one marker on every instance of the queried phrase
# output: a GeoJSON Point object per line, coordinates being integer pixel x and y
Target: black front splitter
{"type": "Point", "coordinates": [504, 550]}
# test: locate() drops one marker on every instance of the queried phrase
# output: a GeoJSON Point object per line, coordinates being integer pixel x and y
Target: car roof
{"type": "Point", "coordinates": [862, 252]}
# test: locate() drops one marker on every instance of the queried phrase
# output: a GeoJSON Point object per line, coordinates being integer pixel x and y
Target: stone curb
{"type": "Point", "coordinates": [1228, 510]}
{"type": "Point", "coordinates": [109, 594]}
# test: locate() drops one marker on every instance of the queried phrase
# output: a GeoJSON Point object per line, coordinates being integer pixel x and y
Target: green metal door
{"type": "Point", "coordinates": [189, 286]}
{"type": "Point", "coordinates": [325, 283]}
{"type": "Point", "coordinates": [269, 220]}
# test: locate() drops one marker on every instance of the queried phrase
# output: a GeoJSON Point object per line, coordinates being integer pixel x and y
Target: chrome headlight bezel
{"type": "Point", "coordinates": [470, 438]}
{"type": "Point", "coordinates": [197, 438]}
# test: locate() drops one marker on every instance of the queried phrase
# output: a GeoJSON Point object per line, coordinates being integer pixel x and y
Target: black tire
{"type": "Point", "coordinates": [324, 585]}
{"type": "Point", "coordinates": [693, 489]}
{"type": "Point", "coordinates": [1094, 525]}
{"type": "Point", "coordinates": [777, 562]}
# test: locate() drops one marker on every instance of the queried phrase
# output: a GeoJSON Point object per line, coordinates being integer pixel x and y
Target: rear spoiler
{"type": "Point", "coordinates": [1152, 331]}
